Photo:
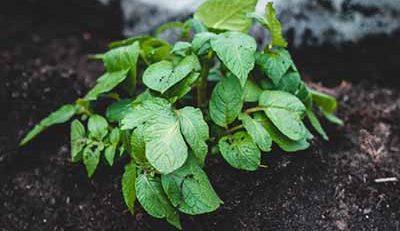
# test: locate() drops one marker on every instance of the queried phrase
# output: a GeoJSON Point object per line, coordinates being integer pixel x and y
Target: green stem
{"type": "Point", "coordinates": [202, 86]}
{"type": "Point", "coordinates": [234, 129]}
{"type": "Point", "coordinates": [254, 109]}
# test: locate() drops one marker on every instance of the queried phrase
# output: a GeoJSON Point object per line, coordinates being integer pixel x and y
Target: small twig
{"type": "Point", "coordinates": [254, 109]}
{"type": "Point", "coordinates": [262, 166]}
{"type": "Point", "coordinates": [234, 129]}
{"type": "Point", "coordinates": [384, 180]}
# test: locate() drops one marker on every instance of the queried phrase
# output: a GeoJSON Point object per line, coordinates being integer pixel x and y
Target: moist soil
{"type": "Point", "coordinates": [331, 186]}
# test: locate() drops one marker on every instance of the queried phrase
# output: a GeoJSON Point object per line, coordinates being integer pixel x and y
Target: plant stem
{"type": "Point", "coordinates": [254, 109]}
{"type": "Point", "coordinates": [234, 129]}
{"type": "Point", "coordinates": [202, 86]}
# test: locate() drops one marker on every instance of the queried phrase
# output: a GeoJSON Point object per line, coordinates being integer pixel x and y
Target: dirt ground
{"type": "Point", "coordinates": [43, 63]}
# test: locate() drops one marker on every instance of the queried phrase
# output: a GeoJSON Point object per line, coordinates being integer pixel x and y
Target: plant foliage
{"type": "Point", "coordinates": [162, 121]}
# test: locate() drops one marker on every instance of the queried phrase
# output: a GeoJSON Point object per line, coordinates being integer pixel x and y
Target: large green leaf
{"type": "Point", "coordinates": [166, 149]}
{"type": "Point", "coordinates": [78, 140]}
{"type": "Point", "coordinates": [189, 189]}
{"type": "Point", "coordinates": [61, 115]}
{"type": "Point", "coordinates": [195, 130]}
{"type": "Point", "coordinates": [128, 185]}
{"type": "Point", "coordinates": [240, 151]}
{"type": "Point", "coordinates": [91, 159]}
{"type": "Point", "coordinates": [286, 112]}
{"type": "Point", "coordinates": [260, 136]}
{"type": "Point", "coordinates": [281, 140]}
{"type": "Point", "coordinates": [118, 110]}
{"type": "Point", "coordinates": [226, 15]}
{"type": "Point", "coordinates": [236, 50]}
{"type": "Point", "coordinates": [142, 111]}
{"type": "Point", "coordinates": [97, 127]}
{"type": "Point", "coordinates": [151, 196]}
{"type": "Point", "coordinates": [163, 75]}
{"type": "Point", "coordinates": [123, 58]}
{"type": "Point", "coordinates": [226, 101]}
{"type": "Point", "coordinates": [274, 63]}
{"type": "Point", "coordinates": [106, 83]}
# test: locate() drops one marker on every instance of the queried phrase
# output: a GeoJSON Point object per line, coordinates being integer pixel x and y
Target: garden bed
{"type": "Point", "coordinates": [43, 63]}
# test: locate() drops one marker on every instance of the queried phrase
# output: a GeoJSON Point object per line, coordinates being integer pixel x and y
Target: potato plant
{"type": "Point", "coordinates": [166, 106]}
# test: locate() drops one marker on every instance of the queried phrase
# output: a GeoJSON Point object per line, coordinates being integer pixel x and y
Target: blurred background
{"type": "Point", "coordinates": [347, 48]}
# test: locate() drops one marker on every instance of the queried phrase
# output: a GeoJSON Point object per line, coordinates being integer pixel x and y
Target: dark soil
{"type": "Point", "coordinates": [43, 64]}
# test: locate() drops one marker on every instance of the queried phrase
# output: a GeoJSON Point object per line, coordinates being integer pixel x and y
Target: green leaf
{"type": "Point", "coordinates": [201, 42]}
{"type": "Point", "coordinates": [181, 48]}
{"type": "Point", "coordinates": [118, 110]}
{"type": "Point", "coordinates": [226, 15]}
{"type": "Point", "coordinates": [189, 189]}
{"type": "Point", "coordinates": [260, 136]}
{"type": "Point", "coordinates": [259, 18]}
{"type": "Point", "coordinates": [174, 220]}
{"type": "Point", "coordinates": [195, 130]}
{"type": "Point", "coordinates": [61, 115]}
{"type": "Point", "coordinates": [155, 50]}
{"type": "Point", "coordinates": [143, 110]}
{"type": "Point", "coordinates": [163, 75]}
{"type": "Point", "coordinates": [151, 196]}
{"type": "Point", "coordinates": [240, 151]}
{"type": "Point", "coordinates": [97, 127]}
{"type": "Point", "coordinates": [138, 145]}
{"type": "Point", "coordinates": [281, 140]}
{"type": "Point", "coordinates": [109, 154]}
{"type": "Point", "coordinates": [286, 112]}
{"type": "Point", "coordinates": [128, 185]}
{"type": "Point", "coordinates": [78, 140]}
{"type": "Point", "coordinates": [110, 151]}
{"type": "Point", "coordinates": [271, 23]}
{"type": "Point", "coordinates": [123, 58]}
{"type": "Point", "coordinates": [115, 136]}
{"type": "Point", "coordinates": [196, 25]}
{"type": "Point", "coordinates": [236, 50]}
{"type": "Point", "coordinates": [180, 89]}
{"type": "Point", "coordinates": [91, 159]}
{"type": "Point", "coordinates": [332, 118]}
{"type": "Point", "coordinates": [129, 41]}
{"type": "Point", "coordinates": [226, 101]}
{"type": "Point", "coordinates": [326, 102]}
{"type": "Point", "coordinates": [316, 124]}
{"type": "Point", "coordinates": [251, 92]}
{"type": "Point", "coordinates": [125, 137]}
{"type": "Point", "coordinates": [274, 63]}
{"type": "Point", "coordinates": [291, 82]}
{"type": "Point", "coordinates": [106, 83]}
{"type": "Point", "coordinates": [166, 149]}
{"type": "Point", "coordinates": [170, 25]}
{"type": "Point", "coordinates": [274, 26]}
